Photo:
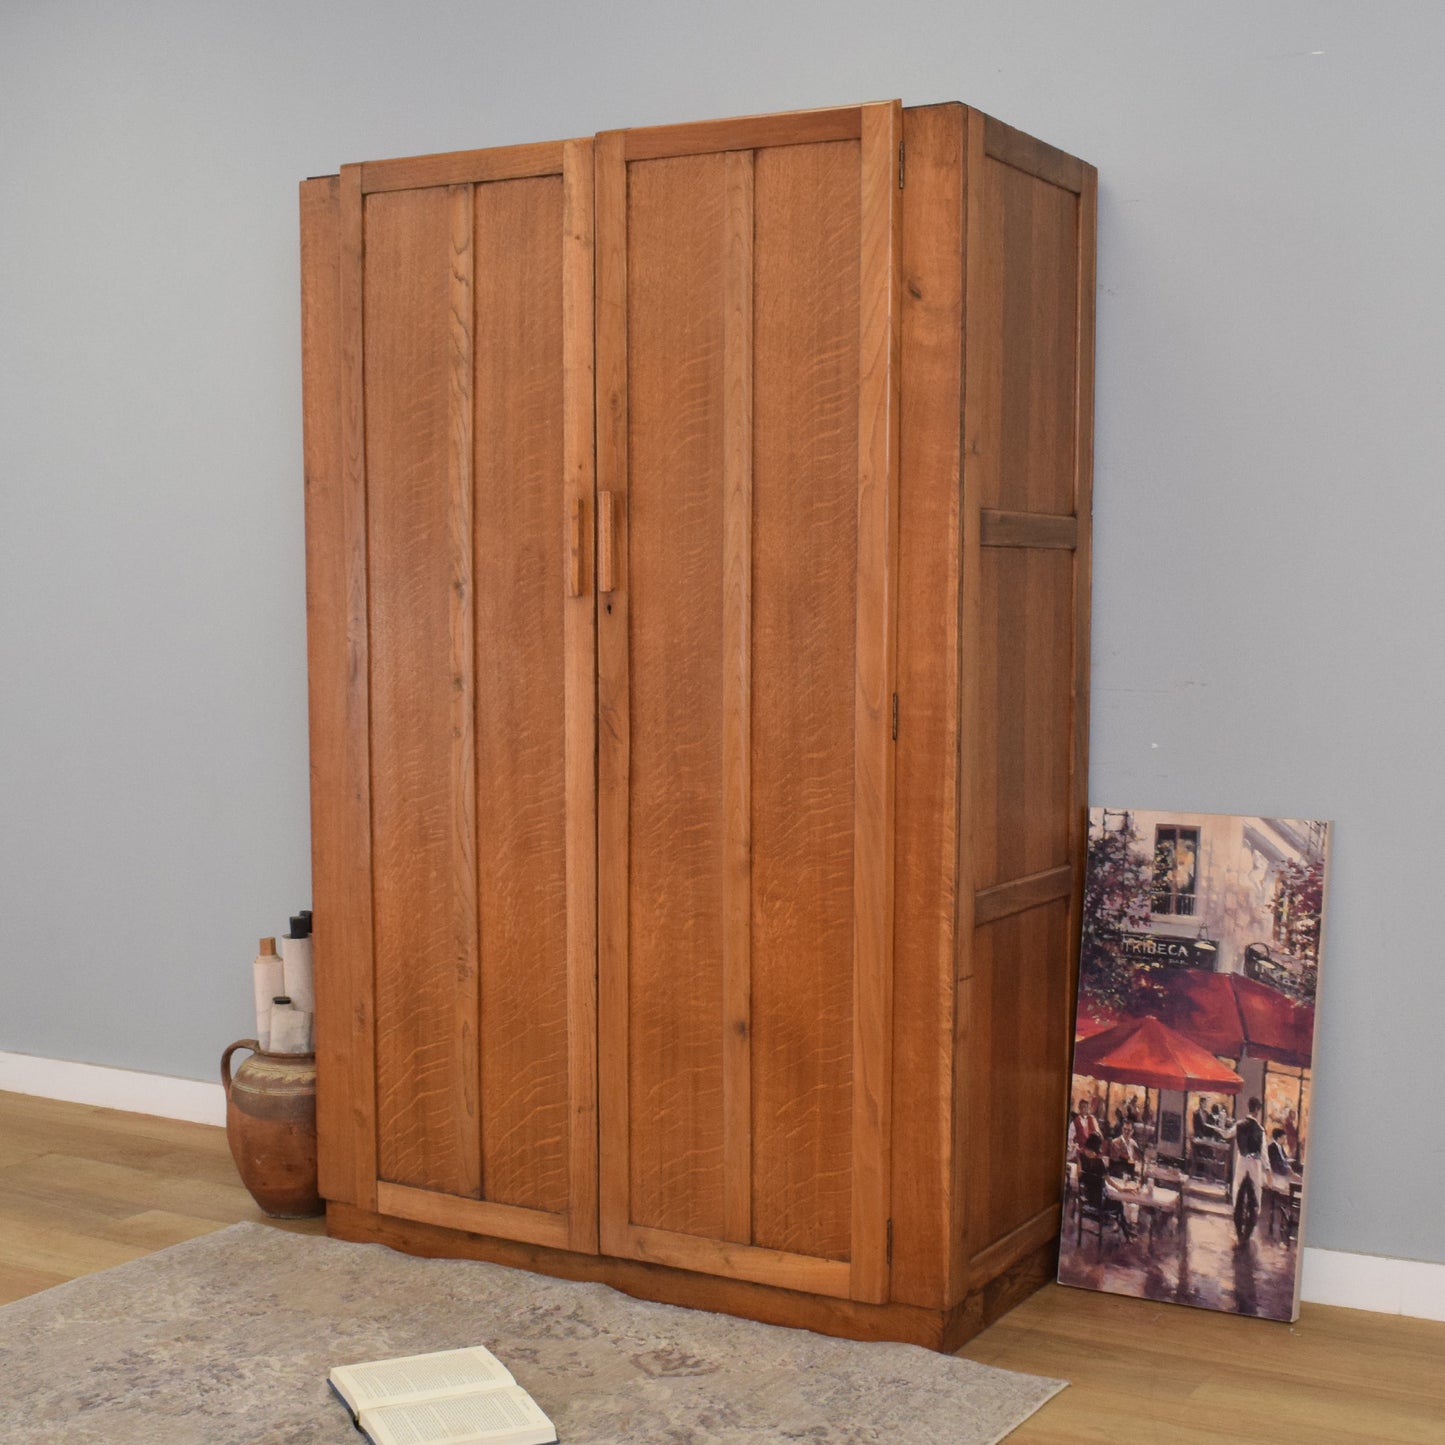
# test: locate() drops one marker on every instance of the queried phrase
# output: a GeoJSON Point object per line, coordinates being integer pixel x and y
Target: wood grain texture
{"type": "Point", "coordinates": [737, 481]}
{"type": "Point", "coordinates": [790, 549]}
{"type": "Point", "coordinates": [1016, 1080]}
{"type": "Point", "coordinates": [453, 168]}
{"type": "Point", "coordinates": [337, 645]}
{"type": "Point", "coordinates": [927, 772]}
{"type": "Point", "coordinates": [1020, 421]}
{"type": "Point", "coordinates": [1020, 894]}
{"type": "Point", "coordinates": [741, 1261]}
{"type": "Point", "coordinates": [827, 1314]}
{"type": "Point", "coordinates": [418, 378]}
{"type": "Point", "coordinates": [1032, 156]}
{"type": "Point", "coordinates": [742, 133]}
{"type": "Point", "coordinates": [521, 698]}
{"type": "Point", "coordinates": [326, 654]}
{"type": "Point", "coordinates": [576, 526]}
{"type": "Point", "coordinates": [1023, 742]}
{"type": "Point", "coordinates": [606, 542]}
{"type": "Point", "coordinates": [461, 602]}
{"type": "Point", "coordinates": [980, 350]}
{"type": "Point", "coordinates": [875, 669]}
{"type": "Point", "coordinates": [805, 527]}
{"type": "Point", "coordinates": [677, 261]}
{"type": "Point", "coordinates": [1031, 233]}
{"type": "Point", "coordinates": [1083, 506]}
{"type": "Point", "coordinates": [481, 1216]}
{"type": "Point", "coordinates": [1040, 1231]}
{"type": "Point", "coordinates": [580, 649]}
{"type": "Point", "coordinates": [1028, 529]}
{"type": "Point", "coordinates": [1140, 1373]}
{"type": "Point", "coordinates": [84, 1188]}
{"type": "Point", "coordinates": [614, 1103]}
{"type": "Point", "coordinates": [1022, 438]}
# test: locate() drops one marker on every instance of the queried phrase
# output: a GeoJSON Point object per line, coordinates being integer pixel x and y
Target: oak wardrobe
{"type": "Point", "coordinates": [697, 585]}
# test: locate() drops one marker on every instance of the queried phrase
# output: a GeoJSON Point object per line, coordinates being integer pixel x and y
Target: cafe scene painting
{"type": "Point", "coordinates": [1189, 1112]}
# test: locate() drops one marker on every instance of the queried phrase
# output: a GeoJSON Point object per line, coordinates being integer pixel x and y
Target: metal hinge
{"type": "Point", "coordinates": [900, 165]}
{"type": "Point", "coordinates": [895, 717]}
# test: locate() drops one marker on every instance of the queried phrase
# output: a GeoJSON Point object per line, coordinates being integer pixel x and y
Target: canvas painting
{"type": "Point", "coordinates": [1188, 1132]}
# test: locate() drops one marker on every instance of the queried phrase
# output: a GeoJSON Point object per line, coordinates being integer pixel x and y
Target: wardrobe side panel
{"type": "Point", "coordinates": [1021, 396]}
{"type": "Point", "coordinates": [1029, 341]}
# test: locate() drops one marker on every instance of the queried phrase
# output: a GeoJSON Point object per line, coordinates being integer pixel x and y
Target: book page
{"type": "Point", "coordinates": [500, 1417]}
{"type": "Point", "coordinates": [416, 1377]}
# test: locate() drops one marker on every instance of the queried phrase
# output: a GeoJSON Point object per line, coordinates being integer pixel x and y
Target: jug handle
{"type": "Point", "coordinates": [252, 1044]}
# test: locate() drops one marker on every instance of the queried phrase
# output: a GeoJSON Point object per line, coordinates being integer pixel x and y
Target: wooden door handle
{"type": "Point", "coordinates": [605, 581]}
{"type": "Point", "coordinates": [574, 550]}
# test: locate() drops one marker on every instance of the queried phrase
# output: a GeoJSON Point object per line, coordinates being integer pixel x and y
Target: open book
{"type": "Point", "coordinates": [448, 1398]}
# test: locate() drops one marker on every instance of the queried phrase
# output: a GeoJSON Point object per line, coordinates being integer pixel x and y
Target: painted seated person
{"type": "Point", "coordinates": [1125, 1156]}
{"type": "Point", "coordinates": [1278, 1155]}
{"type": "Point", "coordinates": [1093, 1179]}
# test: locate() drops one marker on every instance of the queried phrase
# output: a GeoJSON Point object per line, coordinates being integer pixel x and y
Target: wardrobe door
{"type": "Point", "coordinates": [455, 829]}
{"type": "Point", "coordinates": [747, 291]}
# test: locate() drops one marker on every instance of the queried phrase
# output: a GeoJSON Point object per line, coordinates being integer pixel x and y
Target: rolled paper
{"type": "Point", "coordinates": [266, 979]}
{"type": "Point", "coordinates": [296, 958]}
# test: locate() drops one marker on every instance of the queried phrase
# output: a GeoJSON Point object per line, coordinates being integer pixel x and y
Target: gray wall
{"type": "Point", "coordinates": [1269, 500]}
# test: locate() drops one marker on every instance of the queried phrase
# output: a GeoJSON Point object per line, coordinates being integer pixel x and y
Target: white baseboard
{"type": "Point", "coordinates": [135, 1093]}
{"type": "Point", "coordinates": [1373, 1282]}
{"type": "Point", "coordinates": [1331, 1276]}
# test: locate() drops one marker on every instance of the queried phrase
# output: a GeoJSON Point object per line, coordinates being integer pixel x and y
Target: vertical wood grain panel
{"type": "Point", "coordinates": [361, 881]}
{"type": "Point", "coordinates": [676, 263]}
{"type": "Point", "coordinates": [805, 491]}
{"type": "Point", "coordinates": [1032, 233]}
{"type": "Point", "coordinates": [613, 731]}
{"type": "Point", "coordinates": [1083, 504]}
{"type": "Point", "coordinates": [520, 791]}
{"type": "Point", "coordinates": [737, 697]}
{"type": "Point", "coordinates": [461, 321]}
{"type": "Point", "coordinates": [873, 866]}
{"type": "Point", "coordinates": [1023, 744]}
{"type": "Point", "coordinates": [336, 652]}
{"type": "Point", "coordinates": [580, 647]}
{"type": "Point", "coordinates": [1027, 439]}
{"type": "Point", "coordinates": [980, 411]}
{"type": "Point", "coordinates": [926, 818]}
{"type": "Point", "coordinates": [1016, 1086]}
{"type": "Point", "coordinates": [418, 377]}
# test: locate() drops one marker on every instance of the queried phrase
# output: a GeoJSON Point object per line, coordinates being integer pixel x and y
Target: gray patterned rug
{"type": "Point", "coordinates": [227, 1339]}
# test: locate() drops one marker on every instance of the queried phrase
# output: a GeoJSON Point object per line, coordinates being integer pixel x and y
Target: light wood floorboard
{"type": "Point", "coordinates": [84, 1188]}
{"type": "Point", "coordinates": [1142, 1373]}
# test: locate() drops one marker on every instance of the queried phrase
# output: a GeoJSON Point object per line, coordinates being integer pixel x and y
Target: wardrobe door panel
{"type": "Point", "coordinates": [417, 326]}
{"type": "Point", "coordinates": [520, 533]}
{"type": "Point", "coordinates": [676, 257]}
{"type": "Point", "coordinates": [469, 379]}
{"type": "Point", "coordinates": [804, 614]}
{"type": "Point", "coordinates": [747, 441]}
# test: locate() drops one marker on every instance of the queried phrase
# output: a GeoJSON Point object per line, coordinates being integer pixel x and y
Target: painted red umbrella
{"type": "Point", "coordinates": [1145, 1051]}
{"type": "Point", "coordinates": [1230, 1014]}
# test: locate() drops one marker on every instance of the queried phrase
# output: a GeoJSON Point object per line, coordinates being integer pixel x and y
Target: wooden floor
{"type": "Point", "coordinates": [82, 1189]}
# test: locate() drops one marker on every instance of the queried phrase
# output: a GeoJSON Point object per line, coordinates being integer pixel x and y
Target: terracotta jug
{"type": "Point", "coordinates": [271, 1128]}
